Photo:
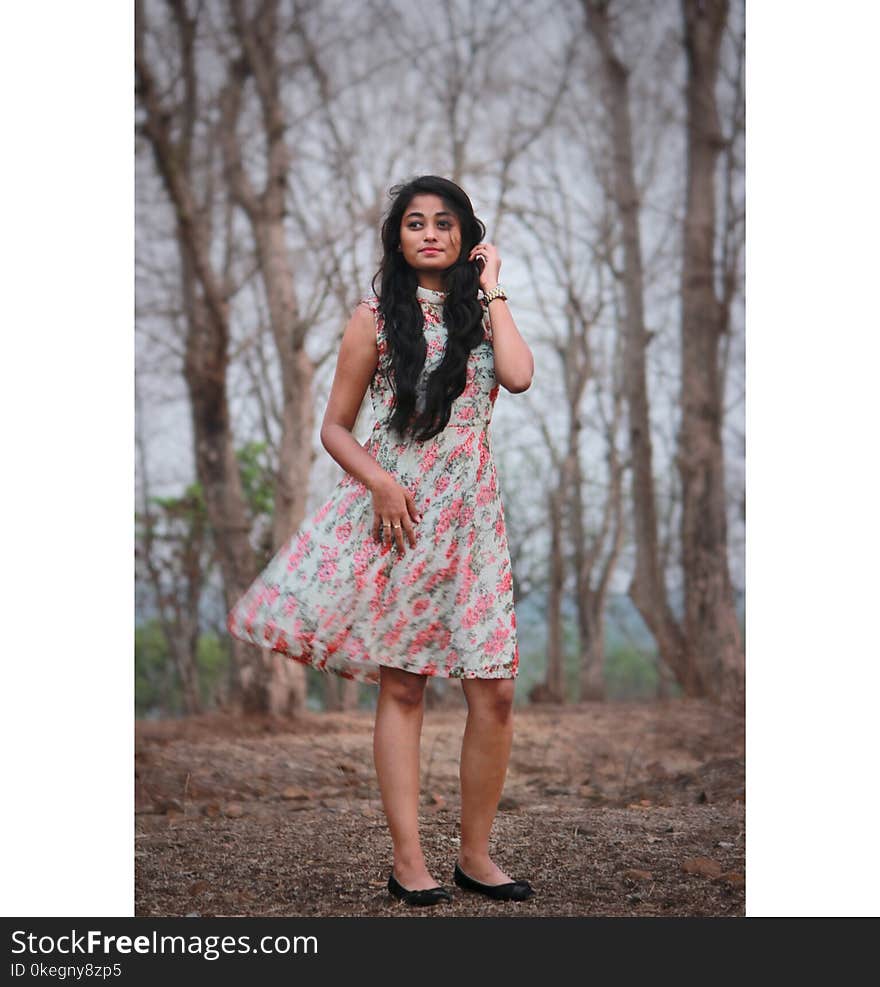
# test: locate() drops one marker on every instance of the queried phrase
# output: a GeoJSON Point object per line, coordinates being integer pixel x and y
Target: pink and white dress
{"type": "Point", "coordinates": [335, 598]}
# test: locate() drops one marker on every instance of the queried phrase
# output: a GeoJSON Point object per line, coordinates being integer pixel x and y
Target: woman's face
{"type": "Point", "coordinates": [430, 234]}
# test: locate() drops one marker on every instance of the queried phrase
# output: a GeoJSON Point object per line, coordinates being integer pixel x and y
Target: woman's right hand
{"type": "Point", "coordinates": [394, 512]}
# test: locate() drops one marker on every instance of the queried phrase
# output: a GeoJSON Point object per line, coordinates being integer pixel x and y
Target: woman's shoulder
{"type": "Point", "coordinates": [371, 301]}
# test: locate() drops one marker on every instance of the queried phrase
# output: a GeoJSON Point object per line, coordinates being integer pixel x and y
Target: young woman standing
{"type": "Point", "coordinates": [404, 572]}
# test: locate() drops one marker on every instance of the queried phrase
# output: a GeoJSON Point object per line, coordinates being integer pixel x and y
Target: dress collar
{"type": "Point", "coordinates": [431, 296]}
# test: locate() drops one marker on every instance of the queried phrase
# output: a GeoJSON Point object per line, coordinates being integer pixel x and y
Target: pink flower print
{"type": "Point", "coordinates": [484, 455]}
{"type": "Point", "coordinates": [442, 483]}
{"type": "Point", "coordinates": [346, 503]}
{"type": "Point", "coordinates": [424, 637]}
{"type": "Point", "coordinates": [447, 515]}
{"type": "Point", "coordinates": [468, 578]}
{"type": "Point", "coordinates": [326, 570]}
{"type": "Point", "coordinates": [380, 582]}
{"type": "Point", "coordinates": [338, 642]}
{"type": "Point", "coordinates": [300, 552]}
{"type": "Point", "coordinates": [463, 449]}
{"type": "Point", "coordinates": [391, 637]}
{"type": "Point", "coordinates": [420, 606]}
{"type": "Point", "coordinates": [343, 532]}
{"type": "Point", "coordinates": [429, 456]}
{"type": "Point", "coordinates": [416, 573]}
{"type": "Point", "coordinates": [430, 316]}
{"type": "Point", "coordinates": [362, 559]}
{"type": "Point", "coordinates": [442, 575]}
{"type": "Point", "coordinates": [475, 614]}
{"type": "Point", "coordinates": [429, 669]}
{"type": "Point", "coordinates": [497, 642]}
{"type": "Point", "coordinates": [391, 599]}
{"type": "Point", "coordinates": [505, 583]}
{"type": "Point", "coordinates": [322, 511]}
{"type": "Point", "coordinates": [494, 393]}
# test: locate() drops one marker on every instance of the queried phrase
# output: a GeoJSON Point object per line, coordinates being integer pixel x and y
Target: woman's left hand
{"type": "Point", "coordinates": [491, 267]}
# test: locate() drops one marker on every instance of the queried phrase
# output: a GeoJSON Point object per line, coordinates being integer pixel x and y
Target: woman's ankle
{"type": "Point", "coordinates": [471, 858]}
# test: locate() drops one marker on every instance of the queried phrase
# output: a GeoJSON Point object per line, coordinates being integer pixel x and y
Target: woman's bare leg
{"type": "Point", "coordinates": [396, 737]}
{"type": "Point", "coordinates": [485, 751]}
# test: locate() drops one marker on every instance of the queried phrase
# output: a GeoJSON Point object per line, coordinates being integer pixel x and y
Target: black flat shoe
{"type": "Point", "coordinates": [422, 896]}
{"type": "Point", "coordinates": [512, 891]}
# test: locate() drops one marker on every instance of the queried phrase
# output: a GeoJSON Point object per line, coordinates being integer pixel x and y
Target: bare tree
{"type": "Point", "coordinates": [691, 649]}
{"type": "Point", "coordinates": [258, 41]}
{"type": "Point", "coordinates": [205, 293]}
{"type": "Point", "coordinates": [710, 621]}
{"type": "Point", "coordinates": [648, 589]}
{"type": "Point", "coordinates": [176, 576]}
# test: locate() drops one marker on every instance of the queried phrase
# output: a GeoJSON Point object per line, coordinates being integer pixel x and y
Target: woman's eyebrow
{"type": "Point", "coordinates": [441, 213]}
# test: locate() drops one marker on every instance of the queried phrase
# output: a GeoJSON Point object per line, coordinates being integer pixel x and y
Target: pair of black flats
{"type": "Point", "coordinates": [511, 891]}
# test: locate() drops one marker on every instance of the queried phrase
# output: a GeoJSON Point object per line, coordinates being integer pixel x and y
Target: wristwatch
{"type": "Point", "coordinates": [496, 292]}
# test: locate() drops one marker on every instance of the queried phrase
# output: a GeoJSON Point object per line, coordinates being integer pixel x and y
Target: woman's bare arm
{"type": "Point", "coordinates": [514, 363]}
{"type": "Point", "coordinates": [355, 366]}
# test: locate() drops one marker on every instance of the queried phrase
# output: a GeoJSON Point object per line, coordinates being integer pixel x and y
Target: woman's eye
{"type": "Point", "coordinates": [445, 223]}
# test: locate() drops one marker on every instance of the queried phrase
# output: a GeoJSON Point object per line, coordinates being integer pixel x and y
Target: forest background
{"type": "Point", "coordinates": [603, 145]}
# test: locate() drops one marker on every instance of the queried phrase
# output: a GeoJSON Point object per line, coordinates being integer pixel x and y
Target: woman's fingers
{"type": "Point", "coordinates": [414, 512]}
{"type": "Point", "coordinates": [381, 530]}
{"type": "Point", "coordinates": [396, 533]}
{"type": "Point", "coordinates": [396, 527]}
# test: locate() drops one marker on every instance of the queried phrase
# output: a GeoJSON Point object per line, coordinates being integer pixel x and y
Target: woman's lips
{"type": "Point", "coordinates": [430, 250]}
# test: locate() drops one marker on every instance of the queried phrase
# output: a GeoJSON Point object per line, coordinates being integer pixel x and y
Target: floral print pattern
{"type": "Point", "coordinates": [336, 599]}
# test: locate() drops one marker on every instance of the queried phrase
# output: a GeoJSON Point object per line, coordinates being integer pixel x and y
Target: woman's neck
{"type": "Point", "coordinates": [433, 282]}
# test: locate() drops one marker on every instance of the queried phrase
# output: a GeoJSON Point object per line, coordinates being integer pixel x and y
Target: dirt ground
{"type": "Point", "coordinates": [623, 809]}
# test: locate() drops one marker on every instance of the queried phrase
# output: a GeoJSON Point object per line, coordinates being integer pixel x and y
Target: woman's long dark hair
{"type": "Point", "coordinates": [404, 321]}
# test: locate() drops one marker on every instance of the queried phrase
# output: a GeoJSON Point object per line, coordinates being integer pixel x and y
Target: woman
{"type": "Point", "coordinates": [405, 572]}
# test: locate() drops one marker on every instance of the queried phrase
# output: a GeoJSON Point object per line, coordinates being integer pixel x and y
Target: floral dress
{"type": "Point", "coordinates": [335, 598]}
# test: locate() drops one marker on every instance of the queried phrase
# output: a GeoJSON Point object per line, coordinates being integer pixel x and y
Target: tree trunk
{"type": "Point", "coordinates": [207, 340]}
{"type": "Point", "coordinates": [259, 40]}
{"type": "Point", "coordinates": [647, 589]}
{"type": "Point", "coordinates": [555, 676]}
{"type": "Point", "coordinates": [592, 666]}
{"type": "Point", "coordinates": [711, 624]}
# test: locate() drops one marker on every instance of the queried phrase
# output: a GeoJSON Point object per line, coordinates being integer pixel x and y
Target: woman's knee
{"type": "Point", "coordinates": [490, 697]}
{"type": "Point", "coordinates": [404, 688]}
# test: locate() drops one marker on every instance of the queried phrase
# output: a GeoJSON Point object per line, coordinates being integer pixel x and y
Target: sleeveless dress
{"type": "Point", "coordinates": [335, 598]}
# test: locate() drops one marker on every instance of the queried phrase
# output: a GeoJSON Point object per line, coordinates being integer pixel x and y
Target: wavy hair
{"type": "Point", "coordinates": [404, 321]}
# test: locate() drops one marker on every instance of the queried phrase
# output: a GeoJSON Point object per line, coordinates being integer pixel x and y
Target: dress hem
{"type": "Point", "coordinates": [374, 680]}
